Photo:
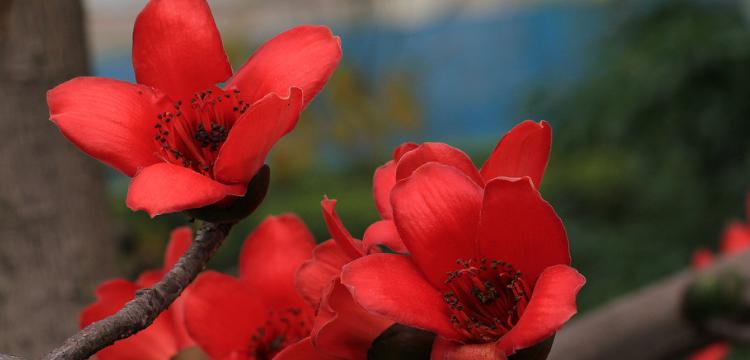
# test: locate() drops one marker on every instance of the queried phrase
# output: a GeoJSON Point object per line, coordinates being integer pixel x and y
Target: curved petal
{"type": "Point", "coordinates": [437, 152]}
{"type": "Point", "coordinates": [338, 231]}
{"type": "Point", "coordinates": [303, 349]}
{"type": "Point", "coordinates": [444, 349]}
{"type": "Point", "coordinates": [156, 342]}
{"type": "Point", "coordinates": [383, 182]}
{"type": "Point", "coordinates": [716, 351]}
{"type": "Point", "coordinates": [165, 188]}
{"type": "Point", "coordinates": [384, 233]}
{"type": "Point", "coordinates": [402, 149]}
{"type": "Point", "coordinates": [303, 57]}
{"type": "Point", "coordinates": [222, 314]}
{"type": "Point", "coordinates": [523, 151]}
{"type": "Point", "coordinates": [736, 238]}
{"type": "Point", "coordinates": [702, 258]}
{"type": "Point", "coordinates": [177, 48]}
{"type": "Point", "coordinates": [391, 286]}
{"type": "Point", "coordinates": [270, 257]}
{"type": "Point", "coordinates": [552, 304]}
{"type": "Point", "coordinates": [112, 121]}
{"type": "Point", "coordinates": [520, 228]}
{"type": "Point", "coordinates": [316, 274]}
{"type": "Point", "coordinates": [179, 241]}
{"type": "Point", "coordinates": [253, 136]}
{"type": "Point", "coordinates": [436, 211]}
{"type": "Point", "coordinates": [344, 329]}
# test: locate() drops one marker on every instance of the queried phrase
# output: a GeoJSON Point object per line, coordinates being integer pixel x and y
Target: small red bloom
{"type": "Point", "coordinates": [167, 335]}
{"type": "Point", "coordinates": [258, 314]}
{"type": "Point", "coordinates": [186, 142]}
{"type": "Point", "coordinates": [715, 351]}
{"type": "Point", "coordinates": [488, 259]}
{"type": "Point", "coordinates": [736, 238]}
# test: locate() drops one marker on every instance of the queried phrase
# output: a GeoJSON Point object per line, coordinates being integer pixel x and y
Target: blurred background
{"type": "Point", "coordinates": [648, 101]}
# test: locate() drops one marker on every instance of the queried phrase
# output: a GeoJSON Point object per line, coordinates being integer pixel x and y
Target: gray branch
{"type": "Point", "coordinates": [148, 303]}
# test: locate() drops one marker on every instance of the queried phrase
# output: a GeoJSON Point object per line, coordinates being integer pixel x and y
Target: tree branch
{"type": "Point", "coordinates": [148, 303]}
{"type": "Point", "coordinates": [647, 324]}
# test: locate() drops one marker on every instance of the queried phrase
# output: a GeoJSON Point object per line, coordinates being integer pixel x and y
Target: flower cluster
{"type": "Point", "coordinates": [735, 239]}
{"type": "Point", "coordinates": [472, 257]}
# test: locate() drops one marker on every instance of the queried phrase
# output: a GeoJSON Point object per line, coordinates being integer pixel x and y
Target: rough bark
{"type": "Point", "coordinates": [140, 312]}
{"type": "Point", "coordinates": [55, 242]}
{"type": "Point", "coordinates": [647, 324]}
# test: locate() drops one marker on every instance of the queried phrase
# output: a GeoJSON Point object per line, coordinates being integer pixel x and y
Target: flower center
{"type": "Point", "coordinates": [486, 298]}
{"type": "Point", "coordinates": [283, 328]}
{"type": "Point", "coordinates": [192, 135]}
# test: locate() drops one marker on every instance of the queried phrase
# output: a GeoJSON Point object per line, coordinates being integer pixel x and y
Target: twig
{"type": "Point", "coordinates": [140, 312]}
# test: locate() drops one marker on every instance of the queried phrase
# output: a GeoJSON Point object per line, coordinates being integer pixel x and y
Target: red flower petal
{"type": "Point", "coordinates": [702, 258]}
{"type": "Point", "coordinates": [270, 257]}
{"type": "Point", "coordinates": [553, 302]}
{"type": "Point", "coordinates": [382, 183]}
{"type": "Point", "coordinates": [303, 57]}
{"type": "Point", "coordinates": [437, 152]}
{"type": "Point", "coordinates": [165, 188]}
{"type": "Point", "coordinates": [316, 274]}
{"type": "Point", "coordinates": [179, 241]}
{"type": "Point", "coordinates": [351, 247]}
{"type": "Point", "coordinates": [110, 120]}
{"type": "Point", "coordinates": [444, 349]}
{"type": "Point", "coordinates": [736, 238]}
{"type": "Point", "coordinates": [157, 342]}
{"type": "Point", "coordinates": [391, 286]}
{"type": "Point", "coordinates": [384, 180]}
{"type": "Point", "coordinates": [344, 329]}
{"type": "Point", "coordinates": [177, 48]}
{"type": "Point", "coordinates": [402, 149]}
{"type": "Point", "coordinates": [716, 351]}
{"type": "Point", "coordinates": [384, 233]}
{"type": "Point", "coordinates": [302, 349]}
{"type": "Point", "coordinates": [523, 151]}
{"type": "Point", "coordinates": [221, 313]}
{"type": "Point", "coordinates": [520, 228]}
{"type": "Point", "coordinates": [253, 135]}
{"type": "Point", "coordinates": [436, 211]}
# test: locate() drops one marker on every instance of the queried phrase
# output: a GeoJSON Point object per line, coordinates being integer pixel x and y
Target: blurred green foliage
{"type": "Point", "coordinates": [651, 150]}
{"type": "Point", "coordinates": [651, 154]}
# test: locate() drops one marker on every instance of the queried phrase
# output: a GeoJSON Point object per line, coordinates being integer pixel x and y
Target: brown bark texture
{"type": "Point", "coordinates": [55, 242]}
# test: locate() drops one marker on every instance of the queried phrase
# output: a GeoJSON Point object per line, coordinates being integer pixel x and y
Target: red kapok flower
{"type": "Point", "coordinates": [166, 336]}
{"type": "Point", "coordinates": [342, 329]}
{"type": "Point", "coordinates": [523, 151]}
{"type": "Point", "coordinates": [258, 314]}
{"type": "Point", "coordinates": [488, 266]}
{"type": "Point", "coordinates": [186, 142]}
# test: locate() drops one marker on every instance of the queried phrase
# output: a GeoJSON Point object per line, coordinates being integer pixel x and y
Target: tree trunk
{"type": "Point", "coordinates": [55, 242]}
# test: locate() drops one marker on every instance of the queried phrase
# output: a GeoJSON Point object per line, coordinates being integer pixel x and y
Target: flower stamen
{"type": "Point", "coordinates": [486, 298]}
{"type": "Point", "coordinates": [192, 135]}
